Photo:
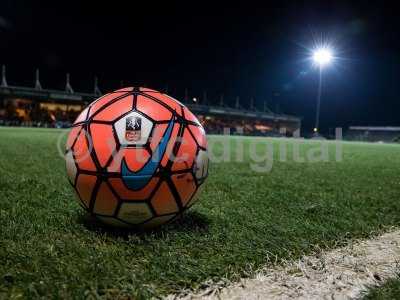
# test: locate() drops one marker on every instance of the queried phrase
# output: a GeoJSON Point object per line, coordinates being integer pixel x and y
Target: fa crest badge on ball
{"type": "Point", "coordinates": [133, 129]}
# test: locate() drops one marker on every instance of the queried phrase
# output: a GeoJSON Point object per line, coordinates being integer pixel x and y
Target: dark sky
{"type": "Point", "coordinates": [245, 49]}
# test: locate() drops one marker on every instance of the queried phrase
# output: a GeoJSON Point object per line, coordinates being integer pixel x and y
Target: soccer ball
{"type": "Point", "coordinates": [136, 158]}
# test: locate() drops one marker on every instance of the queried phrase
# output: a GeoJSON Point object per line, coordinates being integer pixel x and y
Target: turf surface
{"type": "Point", "coordinates": [244, 219]}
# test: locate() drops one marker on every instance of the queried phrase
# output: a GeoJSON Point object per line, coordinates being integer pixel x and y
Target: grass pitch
{"type": "Point", "coordinates": [388, 291]}
{"type": "Point", "coordinates": [244, 219]}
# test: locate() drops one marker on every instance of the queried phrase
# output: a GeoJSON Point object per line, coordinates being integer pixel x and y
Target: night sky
{"type": "Point", "coordinates": [235, 49]}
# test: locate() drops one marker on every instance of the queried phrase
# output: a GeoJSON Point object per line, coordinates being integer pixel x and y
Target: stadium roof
{"type": "Point", "coordinates": [38, 93]}
{"type": "Point", "coordinates": [375, 128]}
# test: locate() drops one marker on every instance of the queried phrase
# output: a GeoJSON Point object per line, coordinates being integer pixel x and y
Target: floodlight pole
{"type": "Point", "coordinates": [316, 128]}
{"type": "Point", "coordinates": [38, 86]}
{"type": "Point", "coordinates": [3, 76]}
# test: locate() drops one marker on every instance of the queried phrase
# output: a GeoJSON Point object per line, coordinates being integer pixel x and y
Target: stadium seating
{"type": "Point", "coordinates": [373, 134]}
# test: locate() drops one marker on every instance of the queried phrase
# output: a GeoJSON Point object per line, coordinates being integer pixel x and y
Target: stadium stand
{"type": "Point", "coordinates": [373, 134]}
{"type": "Point", "coordinates": [38, 107]}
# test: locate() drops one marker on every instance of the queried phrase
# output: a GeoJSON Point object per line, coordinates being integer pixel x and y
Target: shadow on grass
{"type": "Point", "coordinates": [190, 221]}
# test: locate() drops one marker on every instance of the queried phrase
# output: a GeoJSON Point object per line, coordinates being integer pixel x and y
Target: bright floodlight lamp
{"type": "Point", "coordinates": [322, 56]}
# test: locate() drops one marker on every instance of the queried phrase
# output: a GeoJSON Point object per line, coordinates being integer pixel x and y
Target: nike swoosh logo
{"type": "Point", "coordinates": [138, 180]}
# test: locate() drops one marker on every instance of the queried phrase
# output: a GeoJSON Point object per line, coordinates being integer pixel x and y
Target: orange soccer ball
{"type": "Point", "coordinates": [136, 158]}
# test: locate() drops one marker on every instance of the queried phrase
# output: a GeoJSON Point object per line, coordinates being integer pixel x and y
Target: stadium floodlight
{"type": "Point", "coordinates": [322, 56]}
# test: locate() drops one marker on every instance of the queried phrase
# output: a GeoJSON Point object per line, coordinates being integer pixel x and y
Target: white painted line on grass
{"type": "Point", "coordinates": [342, 273]}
